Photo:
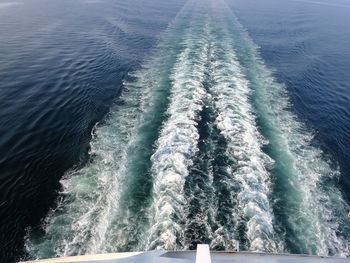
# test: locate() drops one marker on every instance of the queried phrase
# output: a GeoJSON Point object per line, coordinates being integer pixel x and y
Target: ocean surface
{"type": "Point", "coordinates": [148, 124]}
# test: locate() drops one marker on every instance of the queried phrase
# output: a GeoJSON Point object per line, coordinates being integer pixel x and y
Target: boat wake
{"type": "Point", "coordinates": [201, 147]}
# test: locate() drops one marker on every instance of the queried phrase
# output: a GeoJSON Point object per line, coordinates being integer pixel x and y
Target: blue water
{"type": "Point", "coordinates": [62, 63]}
{"type": "Point", "coordinates": [160, 125]}
{"type": "Point", "coordinates": [306, 44]}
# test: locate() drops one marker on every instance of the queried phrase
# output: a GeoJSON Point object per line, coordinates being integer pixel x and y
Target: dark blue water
{"type": "Point", "coordinates": [306, 44]}
{"type": "Point", "coordinates": [64, 63]}
{"type": "Point", "coordinates": [61, 65]}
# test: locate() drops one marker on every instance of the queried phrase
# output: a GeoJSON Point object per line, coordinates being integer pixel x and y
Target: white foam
{"type": "Point", "coordinates": [307, 172]}
{"type": "Point", "coordinates": [236, 121]}
{"type": "Point", "coordinates": [177, 144]}
{"type": "Point", "coordinates": [85, 220]}
{"type": "Point", "coordinates": [315, 221]}
{"type": "Point", "coordinates": [92, 195]}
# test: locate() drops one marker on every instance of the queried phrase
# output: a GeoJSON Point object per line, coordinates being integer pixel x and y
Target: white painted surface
{"type": "Point", "coordinates": [203, 254]}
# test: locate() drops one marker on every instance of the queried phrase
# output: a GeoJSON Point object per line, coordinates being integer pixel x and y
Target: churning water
{"type": "Point", "coordinates": [203, 145]}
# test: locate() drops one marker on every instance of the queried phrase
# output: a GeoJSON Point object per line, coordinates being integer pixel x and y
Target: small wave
{"type": "Point", "coordinates": [5, 5]}
{"type": "Point", "coordinates": [334, 4]}
{"type": "Point", "coordinates": [92, 196]}
{"type": "Point", "coordinates": [270, 185]}
{"type": "Point", "coordinates": [309, 205]}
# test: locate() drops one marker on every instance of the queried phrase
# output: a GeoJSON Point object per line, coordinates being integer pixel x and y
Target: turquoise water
{"type": "Point", "coordinates": [201, 146]}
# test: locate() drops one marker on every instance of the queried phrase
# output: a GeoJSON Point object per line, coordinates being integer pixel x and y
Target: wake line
{"type": "Point", "coordinates": [309, 204]}
{"type": "Point", "coordinates": [177, 144]}
{"type": "Point", "coordinates": [91, 198]}
{"type": "Point", "coordinates": [310, 236]}
{"type": "Point", "coordinates": [177, 147]}
{"type": "Point", "coordinates": [249, 170]}
{"type": "Point", "coordinates": [267, 185]}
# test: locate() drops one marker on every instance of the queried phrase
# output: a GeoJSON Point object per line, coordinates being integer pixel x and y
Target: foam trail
{"type": "Point", "coordinates": [175, 153]}
{"type": "Point", "coordinates": [92, 196]}
{"type": "Point", "coordinates": [81, 220]}
{"type": "Point", "coordinates": [199, 190]}
{"type": "Point", "coordinates": [236, 121]}
{"type": "Point", "coordinates": [177, 143]}
{"type": "Point", "coordinates": [277, 194]}
{"type": "Point", "coordinates": [309, 205]}
{"type": "Point", "coordinates": [245, 177]}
